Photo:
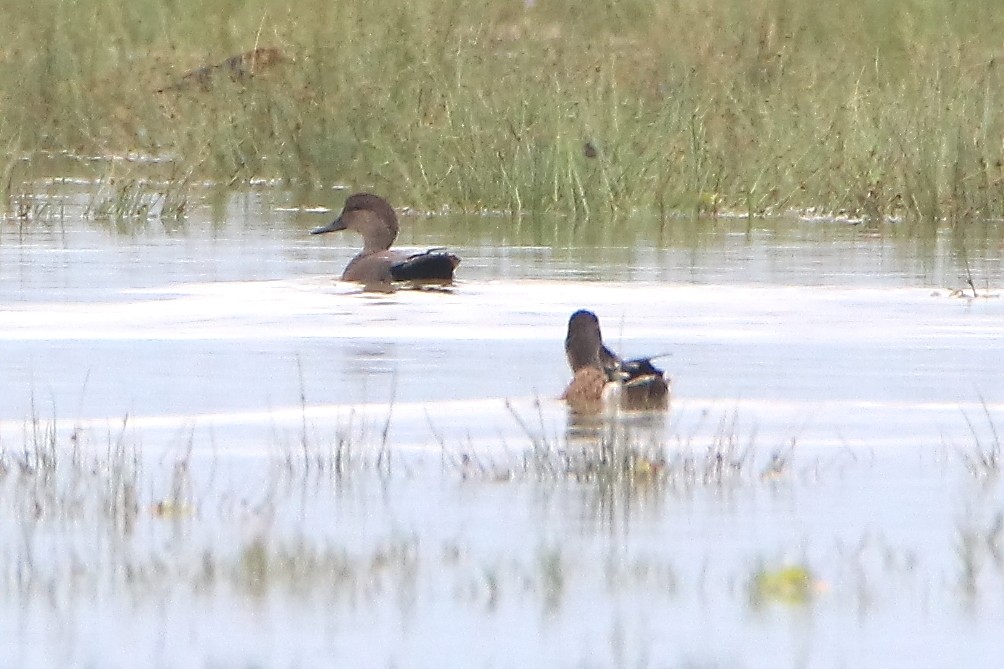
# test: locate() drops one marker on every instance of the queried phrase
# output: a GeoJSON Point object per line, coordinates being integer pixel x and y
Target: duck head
{"type": "Point", "coordinates": [369, 215]}
{"type": "Point", "coordinates": [583, 341]}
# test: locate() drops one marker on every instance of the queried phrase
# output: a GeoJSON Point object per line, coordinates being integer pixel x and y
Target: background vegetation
{"type": "Point", "coordinates": [870, 108]}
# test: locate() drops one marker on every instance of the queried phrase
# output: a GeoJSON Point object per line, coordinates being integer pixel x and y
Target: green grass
{"type": "Point", "coordinates": [869, 109]}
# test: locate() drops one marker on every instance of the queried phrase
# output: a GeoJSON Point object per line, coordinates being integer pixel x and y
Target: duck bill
{"type": "Point", "coordinates": [334, 226]}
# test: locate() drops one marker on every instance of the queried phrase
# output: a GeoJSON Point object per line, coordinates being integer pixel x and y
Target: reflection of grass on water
{"type": "Point", "coordinates": [100, 518]}
{"type": "Point", "coordinates": [93, 520]}
{"type": "Point", "coordinates": [52, 482]}
{"type": "Point", "coordinates": [574, 107]}
{"type": "Point", "coordinates": [86, 513]}
{"type": "Point", "coordinates": [631, 449]}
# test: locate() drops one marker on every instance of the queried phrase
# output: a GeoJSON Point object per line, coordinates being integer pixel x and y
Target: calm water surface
{"type": "Point", "coordinates": [227, 344]}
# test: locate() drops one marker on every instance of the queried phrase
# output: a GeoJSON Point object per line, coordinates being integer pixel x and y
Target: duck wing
{"type": "Point", "coordinates": [645, 385]}
{"type": "Point", "coordinates": [431, 265]}
{"type": "Point", "coordinates": [640, 367]}
{"type": "Point", "coordinates": [618, 369]}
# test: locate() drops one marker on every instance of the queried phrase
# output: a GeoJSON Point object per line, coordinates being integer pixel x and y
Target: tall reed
{"type": "Point", "coordinates": [873, 109]}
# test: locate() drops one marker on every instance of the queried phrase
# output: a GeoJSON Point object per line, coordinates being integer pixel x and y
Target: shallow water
{"type": "Point", "coordinates": [841, 348]}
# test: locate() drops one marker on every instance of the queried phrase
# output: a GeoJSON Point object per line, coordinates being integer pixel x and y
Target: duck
{"type": "Point", "coordinates": [376, 265]}
{"type": "Point", "coordinates": [598, 372]}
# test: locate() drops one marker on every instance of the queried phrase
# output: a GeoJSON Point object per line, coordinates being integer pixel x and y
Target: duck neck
{"type": "Point", "coordinates": [582, 350]}
{"type": "Point", "coordinates": [377, 242]}
{"type": "Point", "coordinates": [378, 235]}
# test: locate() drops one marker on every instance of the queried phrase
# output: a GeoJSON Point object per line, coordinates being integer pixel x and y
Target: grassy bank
{"type": "Point", "coordinates": [874, 109]}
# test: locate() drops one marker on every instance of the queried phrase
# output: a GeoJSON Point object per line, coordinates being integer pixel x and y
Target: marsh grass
{"type": "Point", "coordinates": [97, 520]}
{"type": "Point", "coordinates": [983, 457]}
{"type": "Point", "coordinates": [131, 196]}
{"type": "Point", "coordinates": [90, 515]}
{"type": "Point", "coordinates": [139, 518]}
{"type": "Point", "coordinates": [881, 110]}
{"type": "Point", "coordinates": [54, 481]}
{"type": "Point", "coordinates": [628, 450]}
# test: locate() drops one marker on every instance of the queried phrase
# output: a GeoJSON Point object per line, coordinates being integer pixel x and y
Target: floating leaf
{"type": "Point", "coordinates": [792, 585]}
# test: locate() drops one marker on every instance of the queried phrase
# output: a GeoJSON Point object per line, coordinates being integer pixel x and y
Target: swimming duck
{"type": "Point", "coordinates": [373, 218]}
{"type": "Point", "coordinates": [596, 369]}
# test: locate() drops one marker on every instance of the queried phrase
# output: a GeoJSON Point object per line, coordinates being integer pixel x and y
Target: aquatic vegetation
{"type": "Point", "coordinates": [294, 534]}
{"type": "Point", "coordinates": [135, 198]}
{"type": "Point", "coordinates": [983, 458]}
{"type": "Point", "coordinates": [631, 451]}
{"type": "Point", "coordinates": [790, 585]}
{"type": "Point", "coordinates": [583, 109]}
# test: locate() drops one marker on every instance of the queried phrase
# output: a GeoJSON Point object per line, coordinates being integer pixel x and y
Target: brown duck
{"type": "Point", "coordinates": [594, 367]}
{"type": "Point", "coordinates": [376, 265]}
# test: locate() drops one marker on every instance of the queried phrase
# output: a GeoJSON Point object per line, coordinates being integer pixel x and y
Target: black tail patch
{"type": "Point", "coordinates": [433, 265]}
{"type": "Point", "coordinates": [640, 367]}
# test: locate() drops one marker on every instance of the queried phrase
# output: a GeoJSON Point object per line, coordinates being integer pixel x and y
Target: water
{"type": "Point", "coordinates": [225, 354]}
